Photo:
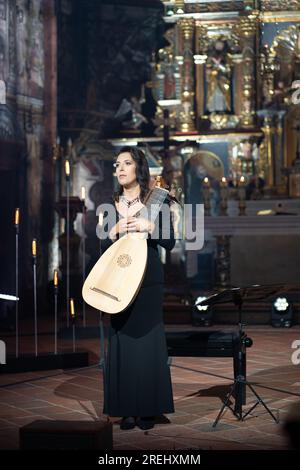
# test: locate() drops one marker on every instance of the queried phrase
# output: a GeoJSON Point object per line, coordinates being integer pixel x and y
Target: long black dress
{"type": "Point", "coordinates": [138, 381]}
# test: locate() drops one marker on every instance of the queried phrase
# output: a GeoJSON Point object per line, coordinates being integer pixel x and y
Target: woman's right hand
{"type": "Point", "coordinates": [120, 227]}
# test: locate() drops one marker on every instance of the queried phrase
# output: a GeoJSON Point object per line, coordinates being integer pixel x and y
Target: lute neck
{"type": "Point", "coordinates": [154, 201]}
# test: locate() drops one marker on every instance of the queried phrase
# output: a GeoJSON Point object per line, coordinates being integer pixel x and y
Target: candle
{"type": "Point", "coordinates": [223, 195]}
{"type": "Point", "coordinates": [33, 248]}
{"type": "Point", "coordinates": [67, 169]}
{"type": "Point", "coordinates": [241, 188]}
{"type": "Point", "coordinates": [83, 193]}
{"type": "Point", "coordinates": [224, 188]}
{"type": "Point", "coordinates": [72, 308]}
{"type": "Point", "coordinates": [242, 196]}
{"type": "Point", "coordinates": [206, 186]}
{"type": "Point", "coordinates": [100, 219]}
{"type": "Point", "coordinates": [17, 217]}
{"type": "Point", "coordinates": [62, 225]}
{"type": "Point", "coordinates": [58, 140]}
{"type": "Point", "coordinates": [206, 195]}
{"type": "Point", "coordinates": [55, 278]}
{"type": "Point", "coordinates": [72, 311]}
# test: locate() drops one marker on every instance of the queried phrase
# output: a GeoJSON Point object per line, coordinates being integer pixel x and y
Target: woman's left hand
{"type": "Point", "coordinates": [139, 225]}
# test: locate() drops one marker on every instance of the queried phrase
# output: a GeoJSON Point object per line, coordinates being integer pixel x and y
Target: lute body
{"type": "Point", "coordinates": [116, 278]}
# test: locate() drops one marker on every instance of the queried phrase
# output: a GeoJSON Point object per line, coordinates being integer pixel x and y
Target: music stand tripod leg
{"type": "Point", "coordinates": [225, 404]}
{"type": "Point", "coordinates": [259, 401]}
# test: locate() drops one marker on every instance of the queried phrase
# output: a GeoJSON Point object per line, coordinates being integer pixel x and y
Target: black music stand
{"type": "Point", "coordinates": [238, 295]}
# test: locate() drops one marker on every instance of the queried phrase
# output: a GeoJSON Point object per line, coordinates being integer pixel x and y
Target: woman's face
{"type": "Point", "coordinates": [125, 169]}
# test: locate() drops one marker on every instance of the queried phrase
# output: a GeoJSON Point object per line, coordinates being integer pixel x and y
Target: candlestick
{"type": "Point", "coordinates": [206, 195]}
{"type": "Point", "coordinates": [55, 284]}
{"type": "Point", "coordinates": [67, 171]}
{"type": "Point", "coordinates": [223, 196]}
{"type": "Point", "coordinates": [34, 253]}
{"type": "Point", "coordinates": [242, 196]}
{"type": "Point", "coordinates": [83, 251]}
{"type": "Point", "coordinates": [17, 222]}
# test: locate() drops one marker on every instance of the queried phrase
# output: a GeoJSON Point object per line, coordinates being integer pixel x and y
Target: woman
{"type": "Point", "coordinates": [138, 384]}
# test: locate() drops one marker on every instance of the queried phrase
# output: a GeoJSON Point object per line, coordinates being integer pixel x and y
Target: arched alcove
{"type": "Point", "coordinates": [199, 165]}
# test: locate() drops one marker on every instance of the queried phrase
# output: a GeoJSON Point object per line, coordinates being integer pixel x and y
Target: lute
{"type": "Point", "coordinates": [116, 278]}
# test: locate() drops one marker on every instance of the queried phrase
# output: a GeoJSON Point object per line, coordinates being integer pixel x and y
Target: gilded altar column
{"type": "Point", "coordinates": [268, 131]}
{"type": "Point", "coordinates": [279, 160]}
{"type": "Point", "coordinates": [200, 59]}
{"type": "Point", "coordinates": [187, 110]}
{"type": "Point", "coordinates": [247, 31]}
{"type": "Point", "coordinates": [238, 77]}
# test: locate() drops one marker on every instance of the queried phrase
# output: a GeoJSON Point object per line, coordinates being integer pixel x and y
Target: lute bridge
{"type": "Point", "coordinates": [100, 291]}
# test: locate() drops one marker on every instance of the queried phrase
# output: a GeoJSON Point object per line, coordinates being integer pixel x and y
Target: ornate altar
{"type": "Point", "coordinates": [231, 68]}
{"type": "Point", "coordinates": [230, 77]}
{"type": "Point", "coordinates": [224, 89]}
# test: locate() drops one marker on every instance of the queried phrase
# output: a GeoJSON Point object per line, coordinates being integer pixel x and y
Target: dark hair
{"type": "Point", "coordinates": [142, 171]}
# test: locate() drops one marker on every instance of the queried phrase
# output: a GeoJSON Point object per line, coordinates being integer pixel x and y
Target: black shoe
{"type": "Point", "coordinates": [146, 422]}
{"type": "Point", "coordinates": [128, 422]}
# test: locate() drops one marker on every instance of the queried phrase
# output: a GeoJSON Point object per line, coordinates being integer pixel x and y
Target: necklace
{"type": "Point", "coordinates": [130, 203]}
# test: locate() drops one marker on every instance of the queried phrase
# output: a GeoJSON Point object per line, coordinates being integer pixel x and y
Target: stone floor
{"type": "Point", "coordinates": [199, 384]}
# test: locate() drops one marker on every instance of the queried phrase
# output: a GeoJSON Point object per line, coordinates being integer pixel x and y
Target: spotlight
{"type": "Point", "coordinates": [201, 314]}
{"type": "Point", "coordinates": [281, 304]}
{"type": "Point", "coordinates": [282, 313]}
